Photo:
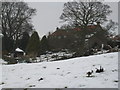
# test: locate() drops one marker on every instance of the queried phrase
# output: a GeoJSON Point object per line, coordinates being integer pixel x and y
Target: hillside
{"type": "Point", "coordinates": [69, 73]}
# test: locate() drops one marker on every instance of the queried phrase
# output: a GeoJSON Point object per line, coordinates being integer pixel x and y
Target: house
{"type": "Point", "coordinates": [19, 52]}
{"type": "Point", "coordinates": [70, 38]}
{"type": "Point", "coordinates": [117, 40]}
{"type": "Point", "coordinates": [62, 39]}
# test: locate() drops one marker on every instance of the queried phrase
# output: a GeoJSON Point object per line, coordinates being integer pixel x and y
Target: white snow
{"type": "Point", "coordinates": [1, 35]}
{"type": "Point", "coordinates": [2, 61]}
{"type": "Point", "coordinates": [53, 56]}
{"type": "Point", "coordinates": [19, 50]}
{"type": "Point", "coordinates": [69, 73]}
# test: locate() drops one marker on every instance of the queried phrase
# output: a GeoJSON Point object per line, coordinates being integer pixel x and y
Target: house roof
{"type": "Point", "coordinates": [61, 32]}
{"type": "Point", "coordinates": [19, 50]}
{"type": "Point", "coordinates": [89, 27]}
{"type": "Point", "coordinates": [117, 37]}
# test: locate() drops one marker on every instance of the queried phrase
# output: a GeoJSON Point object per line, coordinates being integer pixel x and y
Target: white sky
{"type": "Point", "coordinates": [48, 13]}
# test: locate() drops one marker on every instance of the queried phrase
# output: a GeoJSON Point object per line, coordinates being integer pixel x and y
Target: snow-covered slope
{"type": "Point", "coordinates": [69, 73]}
{"type": "Point", "coordinates": [2, 61]}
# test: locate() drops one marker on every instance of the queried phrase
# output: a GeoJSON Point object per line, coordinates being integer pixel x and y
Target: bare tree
{"type": "Point", "coordinates": [82, 14]}
{"type": "Point", "coordinates": [85, 13]}
{"type": "Point", "coordinates": [111, 27]}
{"type": "Point", "coordinates": [16, 19]}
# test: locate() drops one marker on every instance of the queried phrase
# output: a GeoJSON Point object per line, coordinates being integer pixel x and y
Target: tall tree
{"type": "Point", "coordinates": [85, 13]}
{"type": "Point", "coordinates": [44, 46]}
{"type": "Point", "coordinates": [7, 44]}
{"type": "Point", "coordinates": [33, 44]}
{"type": "Point", "coordinates": [24, 41]}
{"type": "Point", "coordinates": [82, 14]}
{"type": "Point", "coordinates": [16, 19]}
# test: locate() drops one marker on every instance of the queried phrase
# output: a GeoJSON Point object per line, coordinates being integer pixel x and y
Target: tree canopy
{"type": "Point", "coordinates": [44, 46]}
{"type": "Point", "coordinates": [24, 41]}
{"type": "Point", "coordinates": [33, 44]}
{"type": "Point", "coordinates": [80, 13]}
{"type": "Point", "coordinates": [16, 19]}
{"type": "Point", "coordinates": [84, 14]}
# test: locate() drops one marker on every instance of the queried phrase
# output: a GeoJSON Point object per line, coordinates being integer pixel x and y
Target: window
{"type": "Point", "coordinates": [65, 36]}
{"type": "Point", "coordinates": [59, 37]}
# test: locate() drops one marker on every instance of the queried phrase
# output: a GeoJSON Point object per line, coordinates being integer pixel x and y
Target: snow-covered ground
{"type": "Point", "coordinates": [69, 73]}
{"type": "Point", "coordinates": [54, 56]}
{"type": "Point", "coordinates": [2, 61]}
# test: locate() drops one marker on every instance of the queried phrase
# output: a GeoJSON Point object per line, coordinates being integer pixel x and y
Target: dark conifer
{"type": "Point", "coordinates": [44, 46]}
{"type": "Point", "coordinates": [24, 41]}
{"type": "Point", "coordinates": [33, 44]}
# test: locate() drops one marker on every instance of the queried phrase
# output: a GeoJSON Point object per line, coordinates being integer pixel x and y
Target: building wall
{"type": "Point", "coordinates": [71, 38]}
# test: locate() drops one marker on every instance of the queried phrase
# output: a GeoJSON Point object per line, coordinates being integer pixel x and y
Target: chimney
{"type": "Point", "coordinates": [57, 28]}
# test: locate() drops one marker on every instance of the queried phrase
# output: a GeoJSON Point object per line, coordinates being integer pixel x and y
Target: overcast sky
{"type": "Point", "coordinates": [48, 13]}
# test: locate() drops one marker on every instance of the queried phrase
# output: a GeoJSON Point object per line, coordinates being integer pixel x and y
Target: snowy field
{"type": "Point", "coordinates": [69, 73]}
